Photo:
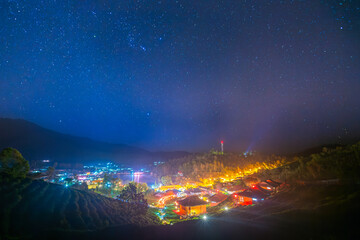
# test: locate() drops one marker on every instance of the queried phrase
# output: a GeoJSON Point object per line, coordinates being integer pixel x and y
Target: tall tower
{"type": "Point", "coordinates": [222, 146]}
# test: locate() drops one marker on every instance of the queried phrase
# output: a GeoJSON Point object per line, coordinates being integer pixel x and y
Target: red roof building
{"type": "Point", "coordinates": [217, 199]}
{"type": "Point", "coordinates": [249, 197]}
{"type": "Point", "coordinates": [192, 206]}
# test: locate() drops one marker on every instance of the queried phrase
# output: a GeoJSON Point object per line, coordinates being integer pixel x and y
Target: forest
{"type": "Point", "coordinates": [338, 163]}
{"type": "Point", "coordinates": [212, 165]}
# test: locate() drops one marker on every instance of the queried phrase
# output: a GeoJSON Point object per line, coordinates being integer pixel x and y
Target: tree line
{"type": "Point", "coordinates": [198, 166]}
{"type": "Point", "coordinates": [341, 163]}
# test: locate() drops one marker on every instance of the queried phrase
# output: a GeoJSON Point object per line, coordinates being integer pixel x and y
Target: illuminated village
{"type": "Point", "coordinates": [182, 198]}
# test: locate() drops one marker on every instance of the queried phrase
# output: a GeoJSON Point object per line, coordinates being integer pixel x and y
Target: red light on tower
{"type": "Point", "coordinates": [222, 146]}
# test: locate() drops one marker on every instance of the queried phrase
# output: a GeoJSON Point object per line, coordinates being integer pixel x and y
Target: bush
{"type": "Point", "coordinates": [13, 164]}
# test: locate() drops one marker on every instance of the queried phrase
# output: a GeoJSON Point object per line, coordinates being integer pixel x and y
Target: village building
{"type": "Point", "coordinates": [206, 190]}
{"type": "Point", "coordinates": [267, 186]}
{"type": "Point", "coordinates": [249, 197]}
{"type": "Point", "coordinates": [205, 197]}
{"type": "Point", "coordinates": [191, 206]}
{"type": "Point", "coordinates": [173, 192]}
{"type": "Point", "coordinates": [194, 191]}
{"type": "Point", "coordinates": [217, 199]}
{"type": "Point", "coordinates": [263, 190]}
{"type": "Point", "coordinates": [233, 188]}
{"type": "Point", "coordinates": [275, 185]}
{"type": "Point", "coordinates": [169, 187]}
{"type": "Point", "coordinates": [159, 194]}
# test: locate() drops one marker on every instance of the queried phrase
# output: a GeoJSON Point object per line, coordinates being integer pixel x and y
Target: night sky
{"type": "Point", "coordinates": [182, 75]}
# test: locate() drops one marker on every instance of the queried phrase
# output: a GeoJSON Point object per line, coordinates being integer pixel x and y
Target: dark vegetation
{"type": "Point", "coordinates": [29, 207]}
{"type": "Point", "coordinates": [13, 164]}
{"type": "Point", "coordinates": [320, 200]}
{"type": "Point", "coordinates": [341, 163]}
{"type": "Point", "coordinates": [206, 165]}
{"type": "Point", "coordinates": [133, 195]}
{"type": "Point", "coordinates": [300, 212]}
{"type": "Point", "coordinates": [331, 162]}
{"type": "Point", "coordinates": [113, 187]}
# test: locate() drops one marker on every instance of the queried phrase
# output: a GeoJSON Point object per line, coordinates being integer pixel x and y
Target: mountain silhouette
{"type": "Point", "coordinates": [38, 143]}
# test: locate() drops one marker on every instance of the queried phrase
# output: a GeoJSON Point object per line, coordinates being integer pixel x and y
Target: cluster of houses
{"type": "Point", "coordinates": [256, 193]}
{"type": "Point", "coordinates": [198, 199]}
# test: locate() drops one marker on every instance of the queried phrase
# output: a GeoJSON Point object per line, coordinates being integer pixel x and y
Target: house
{"type": "Point", "coordinates": [171, 192]}
{"type": "Point", "coordinates": [159, 194]}
{"type": "Point", "coordinates": [266, 186]}
{"type": "Point", "coordinates": [233, 188]}
{"type": "Point", "coordinates": [273, 184]}
{"type": "Point", "coordinates": [217, 199]}
{"type": "Point", "coordinates": [192, 206]}
{"type": "Point", "coordinates": [169, 187]}
{"type": "Point", "coordinates": [265, 191]}
{"type": "Point", "coordinates": [249, 196]}
{"type": "Point", "coordinates": [206, 190]}
{"type": "Point", "coordinates": [194, 191]}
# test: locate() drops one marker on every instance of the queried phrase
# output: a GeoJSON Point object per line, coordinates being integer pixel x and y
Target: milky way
{"type": "Point", "coordinates": [165, 75]}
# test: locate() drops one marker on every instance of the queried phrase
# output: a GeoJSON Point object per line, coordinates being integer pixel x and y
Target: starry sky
{"type": "Point", "coordinates": [262, 75]}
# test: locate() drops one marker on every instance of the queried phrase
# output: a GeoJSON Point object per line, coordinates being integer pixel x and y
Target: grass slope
{"type": "Point", "coordinates": [301, 212]}
{"type": "Point", "coordinates": [29, 207]}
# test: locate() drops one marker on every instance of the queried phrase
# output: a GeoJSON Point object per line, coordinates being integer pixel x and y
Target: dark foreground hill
{"type": "Point", "coordinates": [30, 207]}
{"type": "Point", "coordinates": [37, 143]}
{"type": "Point", "coordinates": [302, 212]}
{"type": "Point", "coordinates": [39, 210]}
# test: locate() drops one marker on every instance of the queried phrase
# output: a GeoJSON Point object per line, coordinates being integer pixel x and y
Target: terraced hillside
{"type": "Point", "coordinates": [297, 212]}
{"type": "Point", "coordinates": [29, 207]}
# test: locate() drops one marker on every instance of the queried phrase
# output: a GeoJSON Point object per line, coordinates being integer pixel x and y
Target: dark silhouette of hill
{"type": "Point", "coordinates": [38, 143]}
{"type": "Point", "coordinates": [317, 149]}
{"type": "Point", "coordinates": [297, 212]}
{"type": "Point", "coordinates": [29, 207]}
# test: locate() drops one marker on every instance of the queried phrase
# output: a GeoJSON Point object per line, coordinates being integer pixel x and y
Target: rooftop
{"type": "Point", "coordinates": [219, 197]}
{"type": "Point", "coordinates": [235, 188]}
{"type": "Point", "coordinates": [272, 183]}
{"type": "Point", "coordinates": [252, 193]}
{"type": "Point", "coordinates": [191, 201]}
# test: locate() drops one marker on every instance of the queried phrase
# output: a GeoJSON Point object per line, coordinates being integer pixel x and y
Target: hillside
{"type": "Point", "coordinates": [302, 212]}
{"type": "Point", "coordinates": [29, 207]}
{"type": "Point", "coordinates": [337, 164]}
{"type": "Point", "coordinates": [37, 143]}
{"type": "Point", "coordinates": [210, 165]}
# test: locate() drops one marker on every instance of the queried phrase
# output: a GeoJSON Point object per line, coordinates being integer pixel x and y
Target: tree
{"type": "Point", "coordinates": [108, 180]}
{"type": "Point", "coordinates": [13, 164]}
{"type": "Point", "coordinates": [68, 181]}
{"type": "Point", "coordinates": [240, 182]}
{"type": "Point", "coordinates": [131, 194]}
{"type": "Point", "coordinates": [50, 173]}
{"type": "Point", "coordinates": [166, 180]}
{"type": "Point", "coordinates": [84, 186]}
{"type": "Point", "coordinates": [141, 187]}
{"type": "Point", "coordinates": [217, 184]}
{"type": "Point", "coordinates": [251, 180]}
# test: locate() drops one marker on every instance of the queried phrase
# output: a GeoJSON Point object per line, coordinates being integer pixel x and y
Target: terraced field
{"type": "Point", "coordinates": [29, 207]}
